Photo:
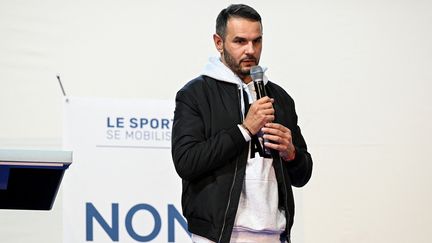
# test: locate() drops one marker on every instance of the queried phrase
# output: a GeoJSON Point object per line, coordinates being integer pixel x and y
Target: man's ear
{"type": "Point", "coordinates": [218, 41]}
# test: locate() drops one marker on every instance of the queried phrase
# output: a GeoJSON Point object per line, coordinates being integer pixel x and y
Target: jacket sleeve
{"type": "Point", "coordinates": [299, 169]}
{"type": "Point", "coordinates": [195, 152]}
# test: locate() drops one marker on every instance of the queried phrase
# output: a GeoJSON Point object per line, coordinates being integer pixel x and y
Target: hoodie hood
{"type": "Point", "coordinates": [217, 70]}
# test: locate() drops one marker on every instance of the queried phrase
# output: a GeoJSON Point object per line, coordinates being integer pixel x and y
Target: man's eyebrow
{"type": "Point", "coordinates": [237, 38]}
{"type": "Point", "coordinates": [258, 38]}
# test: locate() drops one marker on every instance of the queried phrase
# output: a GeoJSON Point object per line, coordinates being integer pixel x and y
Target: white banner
{"type": "Point", "coordinates": [122, 185]}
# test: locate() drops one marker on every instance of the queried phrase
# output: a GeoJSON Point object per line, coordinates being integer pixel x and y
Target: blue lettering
{"type": "Point", "coordinates": [119, 122]}
{"type": "Point", "coordinates": [157, 222]}
{"type": "Point", "coordinates": [109, 123]}
{"type": "Point", "coordinates": [165, 123]}
{"type": "Point", "coordinates": [113, 230]}
{"type": "Point", "coordinates": [92, 213]}
{"type": "Point", "coordinates": [154, 123]}
{"type": "Point", "coordinates": [173, 215]}
{"type": "Point", "coordinates": [133, 123]}
{"type": "Point", "coordinates": [143, 123]}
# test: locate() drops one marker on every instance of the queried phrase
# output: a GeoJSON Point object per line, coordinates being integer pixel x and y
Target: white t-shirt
{"type": "Point", "coordinates": [258, 213]}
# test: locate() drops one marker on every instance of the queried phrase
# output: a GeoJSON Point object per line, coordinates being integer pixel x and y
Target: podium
{"type": "Point", "coordinates": [30, 179]}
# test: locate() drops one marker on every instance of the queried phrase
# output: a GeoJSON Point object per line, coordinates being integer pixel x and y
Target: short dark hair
{"type": "Point", "coordinates": [235, 10]}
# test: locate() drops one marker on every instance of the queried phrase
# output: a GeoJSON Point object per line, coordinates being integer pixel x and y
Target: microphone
{"type": "Point", "coordinates": [257, 75]}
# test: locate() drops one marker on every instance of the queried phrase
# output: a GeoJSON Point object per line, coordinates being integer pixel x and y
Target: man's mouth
{"type": "Point", "coordinates": [249, 61]}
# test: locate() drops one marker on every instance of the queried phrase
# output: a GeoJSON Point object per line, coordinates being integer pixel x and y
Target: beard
{"type": "Point", "coordinates": [235, 67]}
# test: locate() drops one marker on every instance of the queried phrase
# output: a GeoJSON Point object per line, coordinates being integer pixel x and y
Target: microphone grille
{"type": "Point", "coordinates": [257, 73]}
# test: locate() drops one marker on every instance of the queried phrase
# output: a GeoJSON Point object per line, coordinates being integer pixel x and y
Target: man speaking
{"type": "Point", "coordinates": [238, 153]}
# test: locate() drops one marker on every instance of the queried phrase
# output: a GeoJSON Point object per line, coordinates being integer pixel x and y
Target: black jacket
{"type": "Point", "coordinates": [210, 155]}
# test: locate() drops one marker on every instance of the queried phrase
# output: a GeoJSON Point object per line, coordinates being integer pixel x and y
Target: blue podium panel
{"type": "Point", "coordinates": [30, 179]}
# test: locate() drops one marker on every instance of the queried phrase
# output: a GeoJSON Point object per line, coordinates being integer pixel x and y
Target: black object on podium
{"type": "Point", "coordinates": [30, 179]}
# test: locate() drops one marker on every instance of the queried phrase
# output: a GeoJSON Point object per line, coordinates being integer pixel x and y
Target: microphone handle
{"type": "Point", "coordinates": [261, 92]}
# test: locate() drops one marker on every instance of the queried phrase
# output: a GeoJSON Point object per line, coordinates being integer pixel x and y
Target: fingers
{"type": "Point", "coordinates": [282, 139]}
{"type": "Point", "coordinates": [263, 106]}
{"type": "Point", "coordinates": [265, 99]}
{"type": "Point", "coordinates": [265, 112]}
{"type": "Point", "coordinates": [277, 147]}
{"type": "Point", "coordinates": [260, 113]}
{"type": "Point", "coordinates": [277, 126]}
{"type": "Point", "coordinates": [263, 103]}
{"type": "Point", "coordinates": [276, 129]}
{"type": "Point", "coordinates": [278, 135]}
{"type": "Point", "coordinates": [254, 122]}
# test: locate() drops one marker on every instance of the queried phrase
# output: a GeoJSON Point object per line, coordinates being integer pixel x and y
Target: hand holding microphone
{"type": "Point", "coordinates": [261, 111]}
{"type": "Point", "coordinates": [261, 116]}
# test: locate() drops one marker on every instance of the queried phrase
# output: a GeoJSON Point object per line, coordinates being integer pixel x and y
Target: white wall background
{"type": "Point", "coordinates": [360, 72]}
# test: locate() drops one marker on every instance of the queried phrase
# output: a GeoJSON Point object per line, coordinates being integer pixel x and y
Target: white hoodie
{"type": "Point", "coordinates": [258, 218]}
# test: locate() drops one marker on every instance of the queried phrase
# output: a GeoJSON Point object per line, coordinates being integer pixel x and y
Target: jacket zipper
{"type": "Point", "coordinates": [235, 174]}
{"type": "Point", "coordinates": [285, 202]}
{"type": "Point", "coordinates": [229, 202]}
{"type": "Point", "coordinates": [288, 215]}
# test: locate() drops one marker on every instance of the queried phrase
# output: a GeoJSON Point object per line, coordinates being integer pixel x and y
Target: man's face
{"type": "Point", "coordinates": [242, 46]}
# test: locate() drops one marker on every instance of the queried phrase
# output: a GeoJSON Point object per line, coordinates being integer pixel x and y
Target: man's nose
{"type": "Point", "coordinates": [250, 48]}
